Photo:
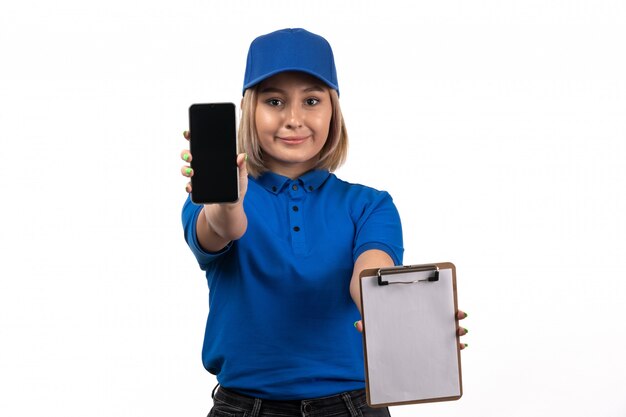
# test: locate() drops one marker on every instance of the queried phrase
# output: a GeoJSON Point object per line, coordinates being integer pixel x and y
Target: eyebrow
{"type": "Point", "coordinates": [270, 89]}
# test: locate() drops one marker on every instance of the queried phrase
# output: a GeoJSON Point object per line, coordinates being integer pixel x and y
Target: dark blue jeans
{"type": "Point", "coordinates": [348, 404]}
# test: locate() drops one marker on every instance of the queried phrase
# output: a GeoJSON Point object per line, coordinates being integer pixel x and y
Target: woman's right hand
{"type": "Point", "coordinates": [187, 171]}
{"type": "Point", "coordinates": [219, 224]}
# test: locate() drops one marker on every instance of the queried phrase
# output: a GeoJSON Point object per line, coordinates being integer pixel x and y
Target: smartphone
{"type": "Point", "coordinates": [213, 146]}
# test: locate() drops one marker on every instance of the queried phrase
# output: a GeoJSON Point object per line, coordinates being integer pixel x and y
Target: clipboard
{"type": "Point", "coordinates": [410, 340]}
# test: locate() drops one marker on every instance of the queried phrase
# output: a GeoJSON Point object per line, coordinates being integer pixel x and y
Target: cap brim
{"type": "Point", "coordinates": [260, 79]}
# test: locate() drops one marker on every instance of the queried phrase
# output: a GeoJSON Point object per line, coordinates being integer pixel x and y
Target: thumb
{"type": "Point", "coordinates": [241, 162]}
{"type": "Point", "coordinates": [243, 174]}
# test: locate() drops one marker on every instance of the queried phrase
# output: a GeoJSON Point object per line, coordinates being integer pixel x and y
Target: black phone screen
{"type": "Point", "coordinates": [213, 146]}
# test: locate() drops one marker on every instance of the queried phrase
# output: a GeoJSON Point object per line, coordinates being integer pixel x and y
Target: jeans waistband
{"type": "Point", "coordinates": [351, 401]}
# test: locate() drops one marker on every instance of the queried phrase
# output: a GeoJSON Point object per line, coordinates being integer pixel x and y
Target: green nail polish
{"type": "Point", "coordinates": [186, 157]}
{"type": "Point", "coordinates": [465, 315]}
{"type": "Point", "coordinates": [246, 158]}
{"type": "Point", "coordinates": [355, 323]}
{"type": "Point", "coordinates": [466, 345]}
{"type": "Point", "coordinates": [188, 171]}
{"type": "Point", "coordinates": [466, 331]}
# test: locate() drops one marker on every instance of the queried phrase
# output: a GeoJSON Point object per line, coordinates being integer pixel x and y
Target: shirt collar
{"type": "Point", "coordinates": [275, 183]}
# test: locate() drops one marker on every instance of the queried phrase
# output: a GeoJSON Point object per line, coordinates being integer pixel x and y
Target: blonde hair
{"type": "Point", "coordinates": [331, 157]}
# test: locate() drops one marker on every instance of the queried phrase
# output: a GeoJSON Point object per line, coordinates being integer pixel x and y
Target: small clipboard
{"type": "Point", "coordinates": [410, 340]}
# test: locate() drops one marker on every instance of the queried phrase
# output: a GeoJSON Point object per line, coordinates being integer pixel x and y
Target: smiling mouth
{"type": "Point", "coordinates": [293, 140]}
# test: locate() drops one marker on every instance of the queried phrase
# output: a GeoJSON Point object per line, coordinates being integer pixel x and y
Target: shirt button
{"type": "Point", "coordinates": [294, 187]}
{"type": "Point", "coordinates": [310, 188]}
{"type": "Point", "coordinates": [296, 229]}
{"type": "Point", "coordinates": [274, 188]}
{"type": "Point", "coordinates": [295, 208]}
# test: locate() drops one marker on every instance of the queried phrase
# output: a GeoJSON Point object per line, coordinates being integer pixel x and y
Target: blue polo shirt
{"type": "Point", "coordinates": [280, 323]}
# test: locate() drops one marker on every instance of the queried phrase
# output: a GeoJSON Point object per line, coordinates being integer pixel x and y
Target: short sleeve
{"type": "Point", "coordinates": [190, 214]}
{"type": "Point", "coordinates": [379, 227]}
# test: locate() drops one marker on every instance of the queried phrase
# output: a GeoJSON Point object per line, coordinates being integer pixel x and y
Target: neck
{"type": "Point", "coordinates": [292, 171]}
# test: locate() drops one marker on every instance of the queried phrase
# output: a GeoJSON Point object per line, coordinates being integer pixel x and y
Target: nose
{"type": "Point", "coordinates": [294, 117]}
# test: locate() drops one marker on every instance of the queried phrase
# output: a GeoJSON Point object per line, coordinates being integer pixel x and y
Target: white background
{"type": "Point", "coordinates": [499, 128]}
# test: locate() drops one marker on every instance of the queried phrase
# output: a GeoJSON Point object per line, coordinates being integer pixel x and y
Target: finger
{"type": "Point", "coordinates": [359, 325]}
{"type": "Point", "coordinates": [241, 160]}
{"type": "Point", "coordinates": [186, 171]}
{"type": "Point", "coordinates": [185, 155]}
{"type": "Point", "coordinates": [461, 315]}
{"type": "Point", "coordinates": [462, 346]}
{"type": "Point", "coordinates": [186, 134]}
{"type": "Point", "coordinates": [241, 163]}
{"type": "Point", "coordinates": [462, 331]}
{"type": "Point", "coordinates": [188, 187]}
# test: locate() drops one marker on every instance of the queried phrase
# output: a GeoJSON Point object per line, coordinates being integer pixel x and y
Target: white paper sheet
{"type": "Point", "coordinates": [410, 338]}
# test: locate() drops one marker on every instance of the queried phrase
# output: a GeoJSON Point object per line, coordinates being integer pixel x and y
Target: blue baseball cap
{"type": "Point", "coordinates": [290, 50]}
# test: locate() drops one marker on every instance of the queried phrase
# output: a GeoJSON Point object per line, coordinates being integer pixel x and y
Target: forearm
{"type": "Point", "coordinates": [219, 224]}
{"type": "Point", "coordinates": [373, 258]}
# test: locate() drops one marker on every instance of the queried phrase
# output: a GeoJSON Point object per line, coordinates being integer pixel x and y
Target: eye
{"type": "Point", "coordinates": [312, 101]}
{"type": "Point", "coordinates": [274, 102]}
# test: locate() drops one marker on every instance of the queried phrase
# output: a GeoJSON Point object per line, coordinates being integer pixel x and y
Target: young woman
{"type": "Point", "coordinates": [283, 262]}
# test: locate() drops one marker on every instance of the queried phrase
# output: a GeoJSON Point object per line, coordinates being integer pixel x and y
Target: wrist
{"type": "Point", "coordinates": [227, 220]}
